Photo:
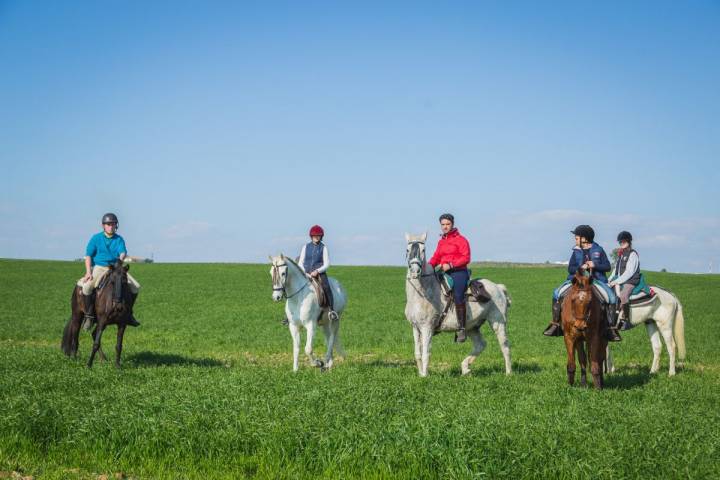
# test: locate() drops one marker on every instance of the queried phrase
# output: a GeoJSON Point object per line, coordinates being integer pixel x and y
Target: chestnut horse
{"type": "Point", "coordinates": [113, 306]}
{"type": "Point", "coordinates": [584, 324]}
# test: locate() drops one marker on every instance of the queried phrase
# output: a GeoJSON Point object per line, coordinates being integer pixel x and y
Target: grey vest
{"type": "Point", "coordinates": [313, 256]}
{"type": "Point", "coordinates": [622, 264]}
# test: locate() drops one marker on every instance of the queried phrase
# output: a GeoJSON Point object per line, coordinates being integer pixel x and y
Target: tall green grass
{"type": "Point", "coordinates": [206, 389]}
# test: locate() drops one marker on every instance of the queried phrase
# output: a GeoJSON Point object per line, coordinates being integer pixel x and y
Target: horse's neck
{"type": "Point", "coordinates": [426, 287]}
{"type": "Point", "coordinates": [295, 280]}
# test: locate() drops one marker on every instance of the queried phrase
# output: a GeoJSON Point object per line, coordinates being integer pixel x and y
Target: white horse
{"type": "Point", "coordinates": [425, 304]}
{"type": "Point", "coordinates": [303, 309]}
{"type": "Point", "coordinates": [663, 316]}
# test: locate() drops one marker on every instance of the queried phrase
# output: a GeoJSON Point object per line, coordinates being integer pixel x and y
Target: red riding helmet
{"type": "Point", "coordinates": [317, 230]}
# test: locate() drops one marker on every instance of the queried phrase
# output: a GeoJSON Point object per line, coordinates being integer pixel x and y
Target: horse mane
{"type": "Point", "coordinates": [293, 262]}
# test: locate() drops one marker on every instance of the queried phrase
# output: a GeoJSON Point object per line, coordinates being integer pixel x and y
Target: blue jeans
{"type": "Point", "coordinates": [461, 278]}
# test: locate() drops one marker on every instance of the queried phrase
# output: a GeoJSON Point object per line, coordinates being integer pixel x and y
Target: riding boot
{"type": "Point", "coordinates": [461, 313]}
{"type": "Point", "coordinates": [133, 321]}
{"type": "Point", "coordinates": [89, 308]}
{"type": "Point", "coordinates": [625, 324]}
{"type": "Point", "coordinates": [332, 314]}
{"type": "Point", "coordinates": [554, 329]}
{"type": "Point", "coordinates": [612, 318]}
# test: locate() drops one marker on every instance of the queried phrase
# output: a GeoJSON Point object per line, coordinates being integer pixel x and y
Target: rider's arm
{"type": "Point", "coordinates": [632, 266]}
{"type": "Point", "coordinates": [88, 266]}
{"type": "Point", "coordinates": [463, 255]}
{"type": "Point", "coordinates": [435, 259]}
{"type": "Point", "coordinates": [123, 250]}
{"type": "Point", "coordinates": [603, 263]}
{"type": "Point", "coordinates": [326, 261]}
{"type": "Point", "coordinates": [301, 260]}
{"type": "Point", "coordinates": [572, 264]}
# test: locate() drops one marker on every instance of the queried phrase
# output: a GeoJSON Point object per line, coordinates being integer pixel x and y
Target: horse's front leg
{"type": "Point", "coordinates": [96, 344]}
{"type": "Point", "coordinates": [570, 347]}
{"type": "Point", "coordinates": [118, 345]}
{"type": "Point", "coordinates": [103, 357]}
{"type": "Point", "coordinates": [597, 354]}
{"type": "Point", "coordinates": [582, 358]}
{"type": "Point", "coordinates": [310, 327]}
{"type": "Point", "coordinates": [295, 334]}
{"type": "Point", "coordinates": [418, 347]}
{"type": "Point", "coordinates": [425, 346]}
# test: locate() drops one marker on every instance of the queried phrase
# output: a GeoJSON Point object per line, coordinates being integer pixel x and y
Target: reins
{"type": "Point", "coordinates": [276, 281]}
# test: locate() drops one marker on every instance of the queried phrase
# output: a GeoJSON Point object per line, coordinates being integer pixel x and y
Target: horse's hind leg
{"type": "Point", "coordinates": [582, 357]}
{"type": "Point", "coordinates": [96, 343]}
{"type": "Point", "coordinates": [329, 343]}
{"type": "Point", "coordinates": [499, 325]}
{"type": "Point", "coordinates": [118, 345]}
{"type": "Point", "coordinates": [667, 333]}
{"type": "Point", "coordinates": [656, 345]}
{"type": "Point", "coordinates": [478, 346]}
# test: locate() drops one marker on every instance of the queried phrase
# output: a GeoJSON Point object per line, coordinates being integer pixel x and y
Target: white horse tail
{"type": "Point", "coordinates": [679, 332]}
{"type": "Point", "coordinates": [505, 292]}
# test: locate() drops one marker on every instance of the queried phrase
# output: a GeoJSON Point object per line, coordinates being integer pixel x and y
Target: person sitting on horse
{"type": "Point", "coordinates": [315, 260]}
{"type": "Point", "coordinates": [104, 249]}
{"type": "Point", "coordinates": [626, 275]}
{"type": "Point", "coordinates": [586, 255]}
{"type": "Point", "coordinates": [452, 256]}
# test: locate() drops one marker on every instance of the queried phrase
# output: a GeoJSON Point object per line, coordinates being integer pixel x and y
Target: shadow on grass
{"type": "Point", "coordinates": [390, 363]}
{"type": "Point", "coordinates": [627, 378]}
{"type": "Point", "coordinates": [152, 359]}
{"type": "Point", "coordinates": [518, 368]}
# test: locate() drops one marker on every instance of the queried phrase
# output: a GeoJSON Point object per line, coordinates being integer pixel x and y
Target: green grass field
{"type": "Point", "coordinates": [206, 389]}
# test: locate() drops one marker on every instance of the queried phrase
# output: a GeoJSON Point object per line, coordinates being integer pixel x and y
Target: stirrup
{"type": "Point", "coordinates": [333, 316]}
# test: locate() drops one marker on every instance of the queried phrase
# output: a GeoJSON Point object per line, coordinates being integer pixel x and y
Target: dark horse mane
{"type": "Point", "coordinates": [112, 307]}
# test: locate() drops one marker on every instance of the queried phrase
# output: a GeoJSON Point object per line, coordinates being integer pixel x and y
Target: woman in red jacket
{"type": "Point", "coordinates": [452, 255]}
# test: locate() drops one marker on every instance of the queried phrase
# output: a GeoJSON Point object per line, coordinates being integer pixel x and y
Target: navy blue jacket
{"type": "Point", "coordinates": [598, 257]}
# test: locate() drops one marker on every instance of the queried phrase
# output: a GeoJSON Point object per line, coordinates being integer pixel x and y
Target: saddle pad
{"type": "Point", "coordinates": [476, 291]}
{"type": "Point", "coordinates": [643, 300]}
{"type": "Point", "coordinates": [600, 293]}
{"type": "Point", "coordinates": [319, 292]}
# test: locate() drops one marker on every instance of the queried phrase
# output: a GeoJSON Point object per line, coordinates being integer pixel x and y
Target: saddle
{"type": "Point", "coordinates": [475, 291]}
{"type": "Point", "coordinates": [319, 292]}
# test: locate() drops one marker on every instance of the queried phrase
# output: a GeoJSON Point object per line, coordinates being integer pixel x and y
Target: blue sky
{"type": "Point", "coordinates": [221, 131]}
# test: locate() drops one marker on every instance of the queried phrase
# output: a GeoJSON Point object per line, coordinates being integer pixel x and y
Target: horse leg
{"type": "Point", "coordinates": [570, 347]}
{"type": "Point", "coordinates": [118, 345]}
{"type": "Point", "coordinates": [425, 346]}
{"type": "Point", "coordinates": [656, 345]}
{"type": "Point", "coordinates": [667, 333]}
{"type": "Point", "coordinates": [609, 365]}
{"type": "Point", "coordinates": [478, 346]}
{"type": "Point", "coordinates": [499, 326]}
{"type": "Point", "coordinates": [330, 344]}
{"type": "Point", "coordinates": [103, 357]}
{"type": "Point", "coordinates": [582, 358]}
{"type": "Point", "coordinates": [595, 352]}
{"type": "Point", "coordinates": [418, 348]}
{"type": "Point", "coordinates": [96, 344]}
{"type": "Point", "coordinates": [310, 328]}
{"type": "Point", "coordinates": [295, 334]}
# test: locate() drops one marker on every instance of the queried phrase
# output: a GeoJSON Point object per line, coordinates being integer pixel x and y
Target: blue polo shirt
{"type": "Point", "coordinates": [103, 250]}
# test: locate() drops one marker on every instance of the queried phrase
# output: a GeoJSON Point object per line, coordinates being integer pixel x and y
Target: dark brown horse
{"type": "Point", "coordinates": [584, 324]}
{"type": "Point", "coordinates": [113, 306]}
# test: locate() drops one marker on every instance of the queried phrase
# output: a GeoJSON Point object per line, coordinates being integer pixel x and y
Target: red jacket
{"type": "Point", "coordinates": [452, 248]}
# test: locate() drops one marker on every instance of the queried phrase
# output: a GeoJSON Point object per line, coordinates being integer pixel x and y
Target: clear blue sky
{"type": "Point", "coordinates": [221, 131]}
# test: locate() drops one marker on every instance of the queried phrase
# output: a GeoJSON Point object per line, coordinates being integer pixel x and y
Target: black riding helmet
{"type": "Point", "coordinates": [585, 231]}
{"type": "Point", "coordinates": [624, 236]}
{"type": "Point", "coordinates": [110, 218]}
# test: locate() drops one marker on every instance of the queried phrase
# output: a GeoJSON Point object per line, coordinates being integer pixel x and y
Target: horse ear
{"type": "Point", "coordinates": [574, 280]}
{"type": "Point", "coordinates": [271, 259]}
{"type": "Point", "coordinates": [424, 237]}
{"type": "Point", "coordinates": [282, 257]}
{"type": "Point", "coordinates": [407, 237]}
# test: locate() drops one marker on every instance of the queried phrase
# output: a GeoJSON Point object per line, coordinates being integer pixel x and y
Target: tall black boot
{"type": "Point", "coordinates": [625, 324]}
{"type": "Point", "coordinates": [332, 314]}
{"type": "Point", "coordinates": [554, 329]}
{"type": "Point", "coordinates": [612, 318]}
{"type": "Point", "coordinates": [132, 321]}
{"type": "Point", "coordinates": [461, 313]}
{"type": "Point", "coordinates": [89, 308]}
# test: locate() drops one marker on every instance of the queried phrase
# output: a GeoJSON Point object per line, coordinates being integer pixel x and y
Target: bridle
{"type": "Point", "coordinates": [415, 257]}
{"type": "Point", "coordinates": [276, 279]}
{"type": "Point", "coordinates": [586, 318]}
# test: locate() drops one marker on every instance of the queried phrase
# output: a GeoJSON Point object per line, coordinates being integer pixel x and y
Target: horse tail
{"type": "Point", "coordinates": [67, 338]}
{"type": "Point", "coordinates": [679, 332]}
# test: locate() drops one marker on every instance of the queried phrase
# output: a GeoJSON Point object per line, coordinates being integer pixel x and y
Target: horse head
{"type": "Point", "coordinates": [581, 297]}
{"type": "Point", "coordinates": [415, 254]}
{"type": "Point", "coordinates": [117, 277]}
{"type": "Point", "coordinates": [279, 274]}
